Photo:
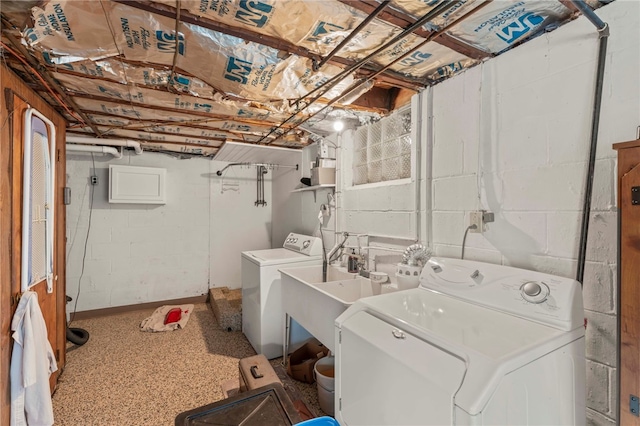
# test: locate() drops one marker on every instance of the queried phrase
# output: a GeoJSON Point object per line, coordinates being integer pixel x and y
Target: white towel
{"type": "Point", "coordinates": [32, 362]}
{"type": "Point", "coordinates": [156, 321]}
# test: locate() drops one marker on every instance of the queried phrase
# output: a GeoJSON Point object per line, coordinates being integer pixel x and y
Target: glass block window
{"type": "Point", "coordinates": [382, 151]}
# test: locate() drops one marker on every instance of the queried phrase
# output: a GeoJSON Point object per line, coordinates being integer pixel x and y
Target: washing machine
{"type": "Point", "coordinates": [262, 315]}
{"type": "Point", "coordinates": [474, 344]}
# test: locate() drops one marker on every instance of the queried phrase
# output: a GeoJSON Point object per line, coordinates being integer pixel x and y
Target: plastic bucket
{"type": "Point", "coordinates": [320, 421]}
{"type": "Point", "coordinates": [324, 372]}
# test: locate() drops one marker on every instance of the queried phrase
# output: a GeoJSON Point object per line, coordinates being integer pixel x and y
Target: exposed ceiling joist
{"type": "Point", "coordinates": [41, 71]}
{"type": "Point", "coordinates": [167, 109]}
{"type": "Point", "coordinates": [145, 92]}
{"type": "Point", "coordinates": [403, 20]}
{"type": "Point", "coordinates": [151, 129]}
{"type": "Point", "coordinates": [308, 100]}
{"type": "Point", "coordinates": [390, 77]}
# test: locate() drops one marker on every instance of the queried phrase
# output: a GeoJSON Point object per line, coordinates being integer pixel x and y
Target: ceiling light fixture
{"type": "Point", "coordinates": [338, 126]}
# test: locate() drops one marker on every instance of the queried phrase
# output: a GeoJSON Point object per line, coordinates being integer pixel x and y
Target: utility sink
{"type": "Point", "coordinates": [313, 274]}
{"type": "Point", "coordinates": [314, 304]}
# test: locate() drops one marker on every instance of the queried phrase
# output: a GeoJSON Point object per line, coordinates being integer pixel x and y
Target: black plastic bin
{"type": "Point", "coordinates": [268, 405]}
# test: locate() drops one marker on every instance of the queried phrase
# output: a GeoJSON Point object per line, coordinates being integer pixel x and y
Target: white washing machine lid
{"type": "Point", "coordinates": [492, 343]}
{"type": "Point", "coordinates": [557, 303]}
{"type": "Point", "coordinates": [436, 316]}
{"type": "Point", "coordinates": [277, 256]}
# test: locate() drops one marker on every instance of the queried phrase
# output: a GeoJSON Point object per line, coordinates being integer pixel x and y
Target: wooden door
{"type": "Point", "coordinates": [16, 99]}
{"type": "Point", "coordinates": [629, 290]}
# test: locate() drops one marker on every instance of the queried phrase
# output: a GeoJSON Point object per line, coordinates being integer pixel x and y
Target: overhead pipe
{"type": "Point", "coordinates": [110, 142]}
{"type": "Point", "coordinates": [359, 83]}
{"type": "Point", "coordinates": [441, 8]}
{"type": "Point", "coordinates": [356, 85]}
{"type": "Point", "coordinates": [352, 34]}
{"type": "Point", "coordinates": [247, 163]}
{"type": "Point", "coordinates": [97, 149]}
{"type": "Point", "coordinates": [603, 30]}
{"type": "Point", "coordinates": [436, 11]}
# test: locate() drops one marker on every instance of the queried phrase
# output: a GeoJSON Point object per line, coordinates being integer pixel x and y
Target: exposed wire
{"type": "Point", "coordinates": [6, 120]}
{"type": "Point", "coordinates": [307, 100]}
{"type": "Point", "coordinates": [86, 242]}
{"type": "Point", "coordinates": [124, 66]}
{"type": "Point", "coordinates": [464, 239]}
{"type": "Point", "coordinates": [73, 239]}
{"type": "Point", "coordinates": [175, 54]}
{"type": "Point", "coordinates": [43, 81]}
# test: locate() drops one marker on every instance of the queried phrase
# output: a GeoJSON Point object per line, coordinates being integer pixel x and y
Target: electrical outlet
{"type": "Point", "coordinates": [475, 218]}
{"type": "Point", "coordinates": [94, 180]}
{"type": "Point", "coordinates": [479, 218]}
{"type": "Point", "coordinates": [323, 149]}
{"type": "Point", "coordinates": [487, 217]}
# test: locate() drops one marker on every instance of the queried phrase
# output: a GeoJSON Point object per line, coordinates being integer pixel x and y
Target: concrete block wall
{"type": "Point", "coordinates": [237, 224]}
{"type": "Point", "coordinates": [137, 253]}
{"type": "Point", "coordinates": [511, 136]}
{"type": "Point", "coordinates": [144, 253]}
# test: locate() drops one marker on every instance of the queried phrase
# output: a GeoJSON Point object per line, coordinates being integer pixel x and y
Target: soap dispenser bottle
{"type": "Point", "coordinates": [352, 263]}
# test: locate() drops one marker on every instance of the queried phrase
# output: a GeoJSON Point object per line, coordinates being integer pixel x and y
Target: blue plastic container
{"type": "Point", "coordinates": [320, 421]}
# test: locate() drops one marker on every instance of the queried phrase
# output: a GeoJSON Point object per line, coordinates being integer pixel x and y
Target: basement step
{"type": "Point", "coordinates": [227, 307]}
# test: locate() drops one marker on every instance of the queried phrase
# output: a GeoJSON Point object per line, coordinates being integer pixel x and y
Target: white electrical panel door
{"type": "Point", "coordinates": [137, 185]}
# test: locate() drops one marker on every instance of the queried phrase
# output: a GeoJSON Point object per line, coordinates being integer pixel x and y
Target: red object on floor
{"type": "Point", "coordinates": [174, 315]}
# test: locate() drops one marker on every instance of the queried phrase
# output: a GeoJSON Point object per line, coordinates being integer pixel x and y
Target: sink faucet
{"type": "Point", "coordinates": [327, 258]}
{"type": "Point", "coordinates": [362, 271]}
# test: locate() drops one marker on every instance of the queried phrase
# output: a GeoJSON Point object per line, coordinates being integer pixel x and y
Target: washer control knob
{"type": "Point", "coordinates": [531, 289]}
{"type": "Point", "coordinates": [534, 292]}
{"type": "Point", "coordinates": [306, 244]}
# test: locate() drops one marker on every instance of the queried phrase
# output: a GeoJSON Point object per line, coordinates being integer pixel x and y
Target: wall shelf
{"type": "Point", "coordinates": [314, 188]}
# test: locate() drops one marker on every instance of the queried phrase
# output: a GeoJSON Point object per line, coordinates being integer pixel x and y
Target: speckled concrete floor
{"type": "Point", "coordinates": [122, 376]}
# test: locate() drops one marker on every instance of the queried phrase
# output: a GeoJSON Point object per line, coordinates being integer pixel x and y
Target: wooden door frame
{"type": "Point", "coordinates": [10, 121]}
{"type": "Point", "coordinates": [628, 319]}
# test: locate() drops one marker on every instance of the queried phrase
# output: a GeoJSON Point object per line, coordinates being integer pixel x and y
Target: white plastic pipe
{"type": "Point", "coordinates": [109, 142]}
{"type": "Point", "coordinates": [98, 149]}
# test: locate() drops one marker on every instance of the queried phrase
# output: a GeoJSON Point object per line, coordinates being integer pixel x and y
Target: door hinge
{"type": "Point", "coordinates": [339, 404]}
{"type": "Point", "coordinates": [633, 405]}
{"type": "Point", "coordinates": [15, 299]}
{"type": "Point", "coordinates": [635, 195]}
{"type": "Point", "coordinates": [340, 336]}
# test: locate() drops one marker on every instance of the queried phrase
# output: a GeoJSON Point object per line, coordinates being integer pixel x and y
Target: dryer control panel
{"type": "Point", "coordinates": [305, 244]}
{"type": "Point", "coordinates": [543, 298]}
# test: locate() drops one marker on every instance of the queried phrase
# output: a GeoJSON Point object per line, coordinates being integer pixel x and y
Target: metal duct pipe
{"type": "Point", "coordinates": [603, 30]}
{"type": "Point", "coordinates": [97, 149]}
{"type": "Point", "coordinates": [111, 142]}
{"type": "Point", "coordinates": [588, 13]}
